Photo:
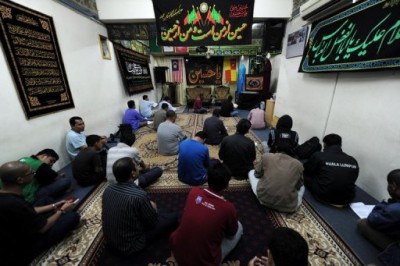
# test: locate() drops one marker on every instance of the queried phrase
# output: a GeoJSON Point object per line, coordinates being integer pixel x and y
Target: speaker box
{"type": "Point", "coordinates": [274, 36]}
{"type": "Point", "coordinates": [159, 74]}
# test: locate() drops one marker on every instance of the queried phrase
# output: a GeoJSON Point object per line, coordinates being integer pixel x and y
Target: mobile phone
{"type": "Point", "coordinates": [76, 201]}
{"type": "Point", "coordinates": [72, 199]}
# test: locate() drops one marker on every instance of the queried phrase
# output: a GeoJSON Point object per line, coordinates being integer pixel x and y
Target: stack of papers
{"type": "Point", "coordinates": [361, 209]}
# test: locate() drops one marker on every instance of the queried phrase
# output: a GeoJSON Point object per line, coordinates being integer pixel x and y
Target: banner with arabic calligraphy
{"type": "Point", "coordinates": [202, 22]}
{"type": "Point", "coordinates": [134, 68]}
{"type": "Point", "coordinates": [30, 43]}
{"type": "Point", "coordinates": [203, 71]}
{"type": "Point", "coordinates": [363, 37]}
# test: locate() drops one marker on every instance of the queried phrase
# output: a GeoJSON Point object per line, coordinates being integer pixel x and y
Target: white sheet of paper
{"type": "Point", "coordinates": [361, 209]}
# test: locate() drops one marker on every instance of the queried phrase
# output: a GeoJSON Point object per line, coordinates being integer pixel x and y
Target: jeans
{"type": "Point", "coordinates": [229, 243]}
{"type": "Point", "coordinates": [148, 176]}
{"type": "Point", "coordinates": [54, 189]}
{"type": "Point", "coordinates": [167, 222]}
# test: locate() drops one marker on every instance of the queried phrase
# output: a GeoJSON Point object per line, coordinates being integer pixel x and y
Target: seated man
{"type": "Point", "coordinates": [214, 128]}
{"type": "Point", "coordinates": [277, 181]}
{"type": "Point", "coordinates": [133, 117]}
{"type": "Point", "coordinates": [27, 231]}
{"type": "Point", "coordinates": [256, 117]}
{"type": "Point", "coordinates": [331, 174]}
{"type": "Point", "coordinates": [146, 107]}
{"type": "Point", "coordinates": [167, 100]}
{"type": "Point", "coordinates": [160, 116]}
{"type": "Point", "coordinates": [238, 151]}
{"type": "Point", "coordinates": [227, 108]}
{"type": "Point", "coordinates": [193, 160]}
{"type": "Point", "coordinates": [283, 133]}
{"type": "Point", "coordinates": [209, 227]}
{"type": "Point", "coordinates": [382, 227]}
{"type": "Point", "coordinates": [285, 247]}
{"type": "Point", "coordinates": [46, 182]}
{"type": "Point", "coordinates": [88, 167]}
{"type": "Point", "coordinates": [198, 105]}
{"type": "Point", "coordinates": [124, 149]}
{"type": "Point", "coordinates": [76, 139]}
{"type": "Point", "coordinates": [169, 135]}
{"type": "Point", "coordinates": [130, 220]}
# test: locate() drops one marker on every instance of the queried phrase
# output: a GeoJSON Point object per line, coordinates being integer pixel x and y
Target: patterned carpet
{"type": "Point", "coordinates": [86, 246]}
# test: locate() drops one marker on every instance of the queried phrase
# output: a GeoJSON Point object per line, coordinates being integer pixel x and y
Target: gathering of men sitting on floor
{"type": "Point", "coordinates": [34, 221]}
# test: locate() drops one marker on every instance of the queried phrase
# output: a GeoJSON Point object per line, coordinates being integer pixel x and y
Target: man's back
{"type": "Point", "coordinates": [193, 162]}
{"type": "Point", "coordinates": [215, 130]}
{"type": "Point", "coordinates": [226, 108]}
{"type": "Point", "coordinates": [206, 219]}
{"type": "Point", "coordinates": [333, 174]}
{"type": "Point", "coordinates": [126, 214]}
{"type": "Point", "coordinates": [145, 108]}
{"type": "Point", "coordinates": [159, 116]}
{"type": "Point", "coordinates": [238, 153]}
{"type": "Point", "coordinates": [168, 137]}
{"type": "Point", "coordinates": [118, 152]}
{"type": "Point", "coordinates": [256, 117]}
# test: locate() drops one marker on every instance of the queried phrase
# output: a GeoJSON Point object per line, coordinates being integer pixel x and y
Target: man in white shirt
{"type": "Point", "coordinates": [123, 149]}
{"type": "Point", "coordinates": [167, 100]}
{"type": "Point", "coordinates": [146, 107]}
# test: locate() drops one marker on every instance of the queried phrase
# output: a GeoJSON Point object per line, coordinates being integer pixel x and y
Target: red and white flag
{"type": "Point", "coordinates": [177, 70]}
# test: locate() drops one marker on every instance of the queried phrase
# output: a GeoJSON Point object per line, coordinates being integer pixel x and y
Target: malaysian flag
{"type": "Point", "coordinates": [177, 70]}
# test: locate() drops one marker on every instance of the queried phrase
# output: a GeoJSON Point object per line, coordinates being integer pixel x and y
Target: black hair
{"type": "Point", "coordinates": [284, 122]}
{"type": "Point", "coordinates": [92, 139]}
{"type": "Point", "coordinates": [218, 176]}
{"type": "Point", "coordinates": [230, 98]}
{"type": "Point", "coordinates": [394, 177]}
{"type": "Point", "coordinates": [145, 97]}
{"type": "Point", "coordinates": [72, 120]}
{"type": "Point", "coordinates": [201, 134]}
{"type": "Point", "coordinates": [131, 103]}
{"type": "Point", "coordinates": [122, 169]}
{"type": "Point", "coordinates": [164, 106]}
{"type": "Point", "coordinates": [288, 247]}
{"type": "Point", "coordinates": [166, 98]}
{"type": "Point", "coordinates": [49, 152]}
{"type": "Point", "coordinates": [332, 139]}
{"type": "Point", "coordinates": [216, 112]}
{"type": "Point", "coordinates": [10, 171]}
{"type": "Point", "coordinates": [170, 114]}
{"type": "Point", "coordinates": [128, 139]}
{"type": "Point", "coordinates": [243, 126]}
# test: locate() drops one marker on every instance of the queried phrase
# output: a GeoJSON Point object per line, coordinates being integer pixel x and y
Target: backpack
{"type": "Point", "coordinates": [305, 150]}
{"type": "Point", "coordinates": [284, 138]}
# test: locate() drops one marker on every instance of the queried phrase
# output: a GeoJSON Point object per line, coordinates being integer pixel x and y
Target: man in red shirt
{"type": "Point", "coordinates": [209, 227]}
{"type": "Point", "coordinates": [198, 105]}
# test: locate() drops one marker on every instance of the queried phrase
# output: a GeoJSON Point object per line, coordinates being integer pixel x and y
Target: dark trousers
{"type": "Point", "coordinates": [149, 176]}
{"type": "Point", "coordinates": [167, 222]}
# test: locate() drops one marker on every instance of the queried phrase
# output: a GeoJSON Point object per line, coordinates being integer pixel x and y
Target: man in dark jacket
{"type": "Point", "coordinates": [331, 175]}
{"type": "Point", "coordinates": [283, 133]}
{"type": "Point", "coordinates": [238, 151]}
{"type": "Point", "coordinates": [214, 128]}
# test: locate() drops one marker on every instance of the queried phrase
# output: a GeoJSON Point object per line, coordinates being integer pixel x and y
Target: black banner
{"type": "Point", "coordinates": [30, 43]}
{"type": "Point", "coordinates": [128, 31]}
{"type": "Point", "coordinates": [134, 68]}
{"type": "Point", "coordinates": [203, 71]}
{"type": "Point", "coordinates": [363, 37]}
{"type": "Point", "coordinates": [199, 22]}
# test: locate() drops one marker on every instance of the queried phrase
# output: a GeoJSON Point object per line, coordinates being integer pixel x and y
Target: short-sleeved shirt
{"type": "Point", "coordinates": [193, 162]}
{"type": "Point", "coordinates": [207, 218]}
{"type": "Point", "coordinates": [120, 151]}
{"type": "Point", "coordinates": [19, 228]}
{"type": "Point", "coordinates": [256, 117]}
{"type": "Point", "coordinates": [168, 137]}
{"type": "Point", "coordinates": [74, 142]}
{"type": "Point", "coordinates": [126, 214]}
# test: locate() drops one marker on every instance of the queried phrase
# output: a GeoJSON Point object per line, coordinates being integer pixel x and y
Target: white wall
{"type": "Point", "coordinates": [96, 87]}
{"type": "Point", "coordinates": [142, 10]}
{"type": "Point", "coordinates": [361, 107]}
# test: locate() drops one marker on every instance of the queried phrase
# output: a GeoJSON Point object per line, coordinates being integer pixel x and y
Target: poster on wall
{"type": "Point", "coordinates": [30, 44]}
{"type": "Point", "coordinates": [199, 22]}
{"type": "Point", "coordinates": [86, 7]}
{"type": "Point", "coordinates": [296, 42]}
{"type": "Point", "coordinates": [363, 37]}
{"type": "Point", "coordinates": [254, 83]}
{"type": "Point", "coordinates": [134, 68]}
{"type": "Point", "coordinates": [203, 71]}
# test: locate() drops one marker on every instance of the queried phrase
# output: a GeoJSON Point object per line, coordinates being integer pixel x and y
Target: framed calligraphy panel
{"type": "Point", "coordinates": [203, 71]}
{"type": "Point", "coordinates": [30, 43]}
{"type": "Point", "coordinates": [363, 37]}
{"type": "Point", "coordinates": [134, 68]}
{"type": "Point", "coordinates": [198, 22]}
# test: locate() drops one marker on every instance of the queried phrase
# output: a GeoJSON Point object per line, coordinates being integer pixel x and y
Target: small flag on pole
{"type": "Point", "coordinates": [177, 70]}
